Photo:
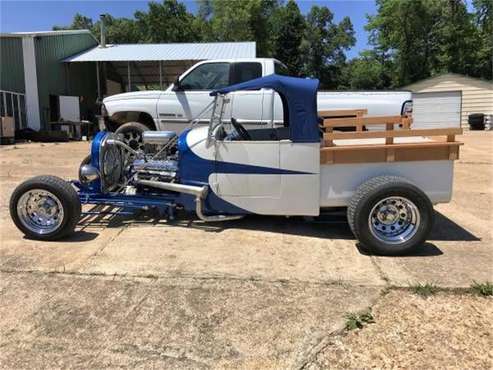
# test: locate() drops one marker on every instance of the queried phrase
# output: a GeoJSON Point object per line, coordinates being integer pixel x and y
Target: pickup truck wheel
{"type": "Point", "coordinates": [132, 134]}
{"type": "Point", "coordinates": [45, 208]}
{"type": "Point", "coordinates": [390, 216]}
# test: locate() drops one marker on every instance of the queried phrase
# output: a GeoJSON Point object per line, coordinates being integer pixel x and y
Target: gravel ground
{"type": "Point", "coordinates": [447, 330]}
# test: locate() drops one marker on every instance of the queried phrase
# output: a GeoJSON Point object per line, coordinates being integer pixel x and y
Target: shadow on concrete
{"type": "Point", "coordinates": [447, 230]}
{"type": "Point", "coordinates": [331, 227]}
{"type": "Point", "coordinates": [76, 237]}
{"type": "Point", "coordinates": [425, 250]}
{"type": "Point", "coordinates": [328, 226]}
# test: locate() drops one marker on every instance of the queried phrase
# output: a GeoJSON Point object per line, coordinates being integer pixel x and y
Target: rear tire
{"type": "Point", "coordinates": [132, 134]}
{"type": "Point", "coordinates": [390, 216]}
{"type": "Point", "coordinates": [45, 208]}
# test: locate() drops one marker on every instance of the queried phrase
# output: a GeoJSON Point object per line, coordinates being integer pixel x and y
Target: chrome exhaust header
{"type": "Point", "coordinates": [200, 193]}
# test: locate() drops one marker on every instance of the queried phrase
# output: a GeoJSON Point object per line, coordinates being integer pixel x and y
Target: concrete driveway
{"type": "Point", "coordinates": [259, 292]}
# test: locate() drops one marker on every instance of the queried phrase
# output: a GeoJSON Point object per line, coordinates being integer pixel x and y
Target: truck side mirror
{"type": "Point", "coordinates": [177, 86]}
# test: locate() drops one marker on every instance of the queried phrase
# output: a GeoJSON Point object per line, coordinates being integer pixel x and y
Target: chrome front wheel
{"type": "Point", "coordinates": [40, 211]}
{"type": "Point", "coordinates": [45, 208]}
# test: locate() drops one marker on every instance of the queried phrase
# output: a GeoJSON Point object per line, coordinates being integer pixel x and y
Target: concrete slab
{"type": "Point", "coordinates": [262, 292]}
{"type": "Point", "coordinates": [94, 322]}
{"type": "Point", "coordinates": [254, 248]}
{"type": "Point", "coordinates": [20, 254]}
{"type": "Point", "coordinates": [460, 249]}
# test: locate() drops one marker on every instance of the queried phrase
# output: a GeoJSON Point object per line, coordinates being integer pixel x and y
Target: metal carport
{"type": "Point", "coordinates": [154, 66]}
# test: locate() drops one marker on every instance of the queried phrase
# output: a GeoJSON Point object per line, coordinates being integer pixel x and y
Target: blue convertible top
{"type": "Point", "coordinates": [299, 98]}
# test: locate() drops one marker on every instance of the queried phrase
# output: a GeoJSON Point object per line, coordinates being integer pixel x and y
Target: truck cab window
{"type": "Point", "coordinates": [209, 76]}
{"type": "Point", "coordinates": [280, 69]}
{"type": "Point", "coordinates": [245, 71]}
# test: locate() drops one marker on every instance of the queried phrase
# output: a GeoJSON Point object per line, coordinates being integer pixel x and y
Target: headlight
{"type": "Point", "coordinates": [88, 173]}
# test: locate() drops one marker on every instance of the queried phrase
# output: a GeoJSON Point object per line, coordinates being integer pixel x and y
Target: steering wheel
{"type": "Point", "coordinates": [242, 132]}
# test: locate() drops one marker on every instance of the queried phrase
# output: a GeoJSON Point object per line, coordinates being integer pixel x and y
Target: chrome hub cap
{"type": "Point", "coordinates": [394, 220]}
{"type": "Point", "coordinates": [133, 139]}
{"type": "Point", "coordinates": [40, 211]}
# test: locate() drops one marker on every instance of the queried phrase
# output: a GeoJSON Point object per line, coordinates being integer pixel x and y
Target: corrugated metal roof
{"type": "Point", "coordinates": [152, 52]}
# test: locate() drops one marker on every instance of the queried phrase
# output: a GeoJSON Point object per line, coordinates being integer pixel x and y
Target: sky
{"type": "Point", "coordinates": [23, 15]}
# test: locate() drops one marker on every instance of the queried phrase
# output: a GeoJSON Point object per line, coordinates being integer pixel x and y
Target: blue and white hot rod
{"type": "Point", "coordinates": [388, 179]}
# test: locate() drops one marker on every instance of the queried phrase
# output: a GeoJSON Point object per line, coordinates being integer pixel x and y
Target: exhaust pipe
{"type": "Point", "coordinates": [103, 31]}
{"type": "Point", "coordinates": [199, 192]}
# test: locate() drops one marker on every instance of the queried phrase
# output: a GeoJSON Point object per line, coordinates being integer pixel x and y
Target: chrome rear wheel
{"type": "Point", "coordinates": [390, 216]}
{"type": "Point", "coordinates": [394, 220]}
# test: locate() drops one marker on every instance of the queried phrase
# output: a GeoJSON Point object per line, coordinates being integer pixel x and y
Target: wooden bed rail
{"type": "Point", "coordinates": [389, 135]}
{"type": "Point", "coordinates": [342, 113]}
{"type": "Point", "coordinates": [387, 145]}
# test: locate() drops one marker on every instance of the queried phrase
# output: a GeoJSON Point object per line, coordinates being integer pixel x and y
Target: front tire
{"type": "Point", "coordinates": [390, 216]}
{"type": "Point", "coordinates": [45, 208]}
{"type": "Point", "coordinates": [132, 134]}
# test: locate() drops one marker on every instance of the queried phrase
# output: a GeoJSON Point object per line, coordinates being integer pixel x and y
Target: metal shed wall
{"type": "Point", "coordinates": [58, 78]}
{"type": "Point", "coordinates": [477, 95]}
{"type": "Point", "coordinates": [11, 65]}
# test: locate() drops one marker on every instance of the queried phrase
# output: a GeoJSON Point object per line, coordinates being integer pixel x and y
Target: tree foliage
{"type": "Point", "coordinates": [410, 40]}
{"type": "Point", "coordinates": [168, 21]}
{"type": "Point", "coordinates": [483, 19]}
{"type": "Point", "coordinates": [246, 20]}
{"type": "Point", "coordinates": [423, 38]}
{"type": "Point", "coordinates": [288, 25]}
{"type": "Point", "coordinates": [324, 44]}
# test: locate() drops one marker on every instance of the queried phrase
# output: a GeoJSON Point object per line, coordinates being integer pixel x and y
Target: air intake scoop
{"type": "Point", "coordinates": [157, 137]}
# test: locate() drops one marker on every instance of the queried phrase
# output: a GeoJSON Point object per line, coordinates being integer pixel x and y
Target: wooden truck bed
{"type": "Point", "coordinates": [389, 145]}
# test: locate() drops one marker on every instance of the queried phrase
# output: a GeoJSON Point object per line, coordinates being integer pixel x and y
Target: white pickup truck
{"type": "Point", "coordinates": [172, 109]}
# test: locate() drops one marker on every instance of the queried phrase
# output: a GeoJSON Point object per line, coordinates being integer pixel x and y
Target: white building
{"type": "Point", "coordinates": [477, 94]}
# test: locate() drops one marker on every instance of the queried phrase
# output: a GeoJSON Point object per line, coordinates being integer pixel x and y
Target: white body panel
{"type": "Point", "coordinates": [256, 153]}
{"type": "Point", "coordinates": [339, 181]}
{"type": "Point", "coordinates": [271, 193]}
{"type": "Point", "coordinates": [138, 101]}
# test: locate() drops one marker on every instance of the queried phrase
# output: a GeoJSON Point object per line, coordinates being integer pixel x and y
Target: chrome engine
{"type": "Point", "coordinates": [120, 166]}
{"type": "Point", "coordinates": [157, 170]}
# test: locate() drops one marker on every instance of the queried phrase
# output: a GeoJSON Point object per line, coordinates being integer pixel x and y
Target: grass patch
{"type": "Point", "coordinates": [483, 289]}
{"type": "Point", "coordinates": [358, 321]}
{"type": "Point", "coordinates": [424, 290]}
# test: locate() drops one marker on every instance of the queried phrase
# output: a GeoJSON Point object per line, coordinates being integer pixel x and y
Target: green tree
{"type": "Point", "coordinates": [483, 18]}
{"type": "Point", "coordinates": [457, 39]}
{"type": "Point", "coordinates": [404, 28]}
{"type": "Point", "coordinates": [118, 30]}
{"type": "Point", "coordinates": [288, 26]}
{"type": "Point", "coordinates": [370, 71]}
{"type": "Point", "coordinates": [426, 37]}
{"type": "Point", "coordinates": [246, 20]}
{"type": "Point", "coordinates": [79, 22]}
{"type": "Point", "coordinates": [168, 21]}
{"type": "Point", "coordinates": [324, 44]}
